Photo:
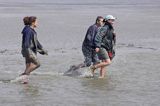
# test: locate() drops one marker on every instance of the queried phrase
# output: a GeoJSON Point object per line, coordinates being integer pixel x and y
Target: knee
{"type": "Point", "coordinates": [38, 65]}
{"type": "Point", "coordinates": [108, 62]}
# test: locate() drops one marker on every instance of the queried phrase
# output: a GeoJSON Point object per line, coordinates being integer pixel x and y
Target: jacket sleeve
{"type": "Point", "coordinates": [39, 46]}
{"type": "Point", "coordinates": [99, 36]}
{"type": "Point", "coordinates": [114, 38]}
{"type": "Point", "coordinates": [40, 49]}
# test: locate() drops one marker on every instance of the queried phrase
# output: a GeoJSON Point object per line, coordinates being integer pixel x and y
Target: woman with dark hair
{"type": "Point", "coordinates": [30, 46]}
{"type": "Point", "coordinates": [105, 41]}
{"type": "Point", "coordinates": [26, 20]}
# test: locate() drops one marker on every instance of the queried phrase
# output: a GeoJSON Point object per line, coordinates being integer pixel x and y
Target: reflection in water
{"type": "Point", "coordinates": [30, 90]}
{"type": "Point", "coordinates": [99, 84]}
{"type": "Point", "coordinates": [30, 94]}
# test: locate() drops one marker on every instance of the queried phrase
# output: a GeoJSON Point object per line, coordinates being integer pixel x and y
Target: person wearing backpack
{"type": "Point", "coordinates": [105, 43]}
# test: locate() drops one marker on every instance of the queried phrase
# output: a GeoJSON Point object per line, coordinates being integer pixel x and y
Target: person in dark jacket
{"type": "Point", "coordinates": [88, 46]}
{"type": "Point", "coordinates": [105, 42]}
{"type": "Point", "coordinates": [31, 45]}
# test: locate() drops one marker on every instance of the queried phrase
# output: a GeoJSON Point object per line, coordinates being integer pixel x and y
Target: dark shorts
{"type": "Point", "coordinates": [33, 60]}
{"type": "Point", "coordinates": [28, 59]}
{"type": "Point", "coordinates": [90, 55]}
{"type": "Point", "coordinates": [103, 54]}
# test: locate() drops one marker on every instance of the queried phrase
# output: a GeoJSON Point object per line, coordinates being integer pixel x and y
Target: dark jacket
{"type": "Point", "coordinates": [105, 38]}
{"type": "Point", "coordinates": [90, 36]}
{"type": "Point", "coordinates": [30, 43]}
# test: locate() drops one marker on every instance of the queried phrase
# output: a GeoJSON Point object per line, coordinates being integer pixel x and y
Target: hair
{"type": "Point", "coordinates": [98, 18]}
{"type": "Point", "coordinates": [32, 19]}
{"type": "Point", "coordinates": [26, 20]}
{"type": "Point", "coordinates": [107, 23]}
{"type": "Point", "coordinates": [29, 20]}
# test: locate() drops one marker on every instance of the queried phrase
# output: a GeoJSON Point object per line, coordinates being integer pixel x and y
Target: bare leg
{"type": "Point", "coordinates": [102, 72]}
{"type": "Point", "coordinates": [103, 63]}
{"type": "Point", "coordinates": [93, 69]}
{"type": "Point", "coordinates": [31, 68]}
{"type": "Point", "coordinates": [27, 66]}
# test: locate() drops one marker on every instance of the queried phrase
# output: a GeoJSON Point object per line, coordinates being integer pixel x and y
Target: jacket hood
{"type": "Point", "coordinates": [25, 29]}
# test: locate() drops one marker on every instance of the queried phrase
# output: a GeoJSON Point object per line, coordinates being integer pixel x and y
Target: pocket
{"type": "Point", "coordinates": [24, 53]}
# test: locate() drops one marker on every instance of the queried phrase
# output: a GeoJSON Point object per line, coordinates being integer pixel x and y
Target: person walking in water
{"type": "Point", "coordinates": [88, 46]}
{"type": "Point", "coordinates": [31, 45]}
{"type": "Point", "coordinates": [105, 43]}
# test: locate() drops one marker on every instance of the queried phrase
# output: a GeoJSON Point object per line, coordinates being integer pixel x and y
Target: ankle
{"type": "Point", "coordinates": [24, 74]}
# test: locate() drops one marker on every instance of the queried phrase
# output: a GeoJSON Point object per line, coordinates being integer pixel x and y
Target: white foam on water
{"type": "Point", "coordinates": [4, 81]}
{"type": "Point", "coordinates": [86, 73]}
{"type": "Point", "coordinates": [49, 73]}
{"type": "Point", "coordinates": [21, 79]}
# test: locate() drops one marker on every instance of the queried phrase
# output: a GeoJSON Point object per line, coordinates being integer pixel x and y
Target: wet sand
{"type": "Point", "coordinates": [133, 79]}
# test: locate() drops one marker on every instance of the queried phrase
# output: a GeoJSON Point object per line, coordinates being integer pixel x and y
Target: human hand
{"type": "Point", "coordinates": [44, 52]}
{"type": "Point", "coordinates": [97, 49]}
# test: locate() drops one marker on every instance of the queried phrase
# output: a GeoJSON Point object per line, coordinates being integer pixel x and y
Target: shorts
{"type": "Point", "coordinates": [90, 55]}
{"type": "Point", "coordinates": [34, 59]}
{"type": "Point", "coordinates": [103, 54]}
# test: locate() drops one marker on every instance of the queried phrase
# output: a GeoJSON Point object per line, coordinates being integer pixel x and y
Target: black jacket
{"type": "Point", "coordinates": [90, 36]}
{"type": "Point", "coordinates": [30, 43]}
{"type": "Point", "coordinates": [105, 38]}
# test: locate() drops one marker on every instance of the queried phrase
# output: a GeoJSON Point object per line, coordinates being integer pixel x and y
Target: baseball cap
{"type": "Point", "coordinates": [108, 17]}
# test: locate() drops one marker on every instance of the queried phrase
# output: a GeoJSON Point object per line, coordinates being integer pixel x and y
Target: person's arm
{"type": "Point", "coordinates": [39, 46]}
{"type": "Point", "coordinates": [114, 38]}
{"type": "Point", "coordinates": [40, 49]}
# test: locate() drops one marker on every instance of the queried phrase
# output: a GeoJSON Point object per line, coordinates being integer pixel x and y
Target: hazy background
{"type": "Point", "coordinates": [133, 79]}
